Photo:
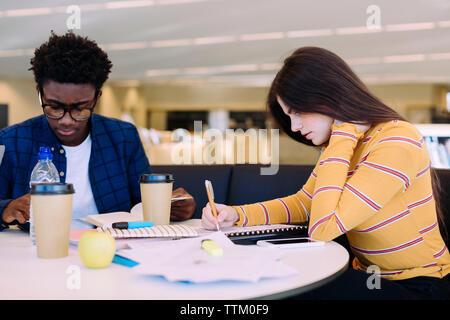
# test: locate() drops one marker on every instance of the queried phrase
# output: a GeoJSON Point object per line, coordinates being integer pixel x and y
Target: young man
{"type": "Point", "coordinates": [102, 157]}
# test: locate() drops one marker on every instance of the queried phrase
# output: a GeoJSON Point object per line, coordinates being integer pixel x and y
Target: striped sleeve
{"type": "Point", "coordinates": [340, 203]}
{"type": "Point", "coordinates": [291, 209]}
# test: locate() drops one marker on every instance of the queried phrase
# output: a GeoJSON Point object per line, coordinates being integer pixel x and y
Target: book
{"type": "Point", "coordinates": [159, 231]}
{"type": "Point", "coordinates": [100, 220]}
{"type": "Point", "coordinates": [107, 219]}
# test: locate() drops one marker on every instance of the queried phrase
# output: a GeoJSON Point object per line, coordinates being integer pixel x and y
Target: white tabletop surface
{"type": "Point", "coordinates": [24, 276]}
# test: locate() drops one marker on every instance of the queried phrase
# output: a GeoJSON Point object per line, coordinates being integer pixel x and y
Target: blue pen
{"type": "Point", "coordinates": [132, 225]}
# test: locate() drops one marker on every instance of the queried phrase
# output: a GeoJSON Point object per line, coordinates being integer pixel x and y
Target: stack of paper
{"type": "Point", "coordinates": [185, 260]}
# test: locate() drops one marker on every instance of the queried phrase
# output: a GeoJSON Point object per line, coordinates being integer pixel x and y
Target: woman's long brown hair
{"type": "Point", "coordinates": [315, 80]}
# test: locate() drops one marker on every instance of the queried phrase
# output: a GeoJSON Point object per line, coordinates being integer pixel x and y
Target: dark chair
{"type": "Point", "coordinates": [248, 185]}
{"type": "Point", "coordinates": [192, 179]}
{"type": "Point", "coordinates": [444, 181]}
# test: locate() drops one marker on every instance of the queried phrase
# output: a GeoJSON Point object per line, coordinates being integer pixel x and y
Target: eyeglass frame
{"type": "Point", "coordinates": [68, 107]}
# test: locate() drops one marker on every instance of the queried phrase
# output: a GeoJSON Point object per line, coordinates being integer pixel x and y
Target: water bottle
{"type": "Point", "coordinates": [44, 172]}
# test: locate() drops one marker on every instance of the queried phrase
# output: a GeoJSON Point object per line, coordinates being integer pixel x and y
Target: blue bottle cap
{"type": "Point", "coordinates": [45, 154]}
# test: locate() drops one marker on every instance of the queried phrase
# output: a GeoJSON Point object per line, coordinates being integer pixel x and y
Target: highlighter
{"type": "Point", "coordinates": [211, 248]}
{"type": "Point", "coordinates": [132, 225]}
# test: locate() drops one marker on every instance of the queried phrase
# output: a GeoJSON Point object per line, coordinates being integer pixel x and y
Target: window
{"type": "Point", "coordinates": [185, 119]}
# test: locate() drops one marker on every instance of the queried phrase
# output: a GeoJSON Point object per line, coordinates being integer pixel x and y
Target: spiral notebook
{"type": "Point", "coordinates": [159, 231]}
{"type": "Point", "coordinates": [251, 234]}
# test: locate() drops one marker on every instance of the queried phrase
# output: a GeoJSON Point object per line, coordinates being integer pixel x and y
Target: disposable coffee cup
{"type": "Point", "coordinates": [156, 194]}
{"type": "Point", "coordinates": [52, 214]}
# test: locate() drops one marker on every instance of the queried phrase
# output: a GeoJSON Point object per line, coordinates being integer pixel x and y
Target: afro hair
{"type": "Point", "coordinates": [70, 59]}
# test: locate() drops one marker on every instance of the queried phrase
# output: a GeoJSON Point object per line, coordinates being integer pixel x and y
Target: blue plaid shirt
{"type": "Point", "coordinates": [117, 161]}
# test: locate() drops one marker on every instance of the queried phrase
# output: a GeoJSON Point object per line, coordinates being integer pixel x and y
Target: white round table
{"type": "Point", "coordinates": [24, 276]}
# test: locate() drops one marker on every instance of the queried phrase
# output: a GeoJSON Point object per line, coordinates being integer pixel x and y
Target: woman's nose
{"type": "Point", "coordinates": [296, 124]}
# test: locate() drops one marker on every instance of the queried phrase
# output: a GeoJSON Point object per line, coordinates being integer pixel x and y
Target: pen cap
{"type": "Point", "coordinates": [52, 188]}
{"type": "Point", "coordinates": [156, 178]}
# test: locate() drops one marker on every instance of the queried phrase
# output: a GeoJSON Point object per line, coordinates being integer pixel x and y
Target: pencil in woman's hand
{"type": "Point", "coordinates": [210, 193]}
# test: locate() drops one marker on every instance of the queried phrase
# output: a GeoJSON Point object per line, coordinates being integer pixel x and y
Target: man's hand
{"type": "Point", "coordinates": [18, 209]}
{"type": "Point", "coordinates": [182, 209]}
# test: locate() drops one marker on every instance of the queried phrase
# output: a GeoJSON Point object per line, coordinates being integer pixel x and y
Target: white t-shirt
{"type": "Point", "coordinates": [78, 174]}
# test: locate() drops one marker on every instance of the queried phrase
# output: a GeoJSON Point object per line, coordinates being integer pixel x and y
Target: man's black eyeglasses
{"type": "Point", "coordinates": [80, 111]}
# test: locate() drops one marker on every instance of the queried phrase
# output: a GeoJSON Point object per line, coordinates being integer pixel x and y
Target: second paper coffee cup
{"type": "Point", "coordinates": [156, 194]}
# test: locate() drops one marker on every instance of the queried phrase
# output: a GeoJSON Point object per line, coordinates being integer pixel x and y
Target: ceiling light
{"type": "Point", "coordinates": [125, 45]}
{"type": "Point", "coordinates": [214, 40]}
{"type": "Point", "coordinates": [163, 2]}
{"type": "Point", "coordinates": [16, 53]}
{"type": "Point", "coordinates": [171, 43]}
{"type": "Point", "coordinates": [309, 33]}
{"type": "Point", "coordinates": [356, 30]}
{"type": "Point", "coordinates": [128, 4]}
{"type": "Point", "coordinates": [439, 56]}
{"type": "Point", "coordinates": [239, 68]}
{"type": "Point", "coordinates": [27, 12]}
{"type": "Point", "coordinates": [410, 26]}
{"type": "Point", "coordinates": [262, 36]}
{"type": "Point", "coordinates": [270, 66]}
{"type": "Point", "coordinates": [444, 24]}
{"type": "Point", "coordinates": [363, 61]}
{"type": "Point", "coordinates": [162, 72]}
{"type": "Point", "coordinates": [404, 58]}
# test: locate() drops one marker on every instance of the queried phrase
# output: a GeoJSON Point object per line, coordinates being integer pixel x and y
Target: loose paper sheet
{"type": "Point", "coordinates": [185, 260]}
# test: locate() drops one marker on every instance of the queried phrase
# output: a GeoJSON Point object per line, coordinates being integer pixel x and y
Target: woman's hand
{"type": "Point", "coordinates": [360, 127]}
{"type": "Point", "coordinates": [226, 217]}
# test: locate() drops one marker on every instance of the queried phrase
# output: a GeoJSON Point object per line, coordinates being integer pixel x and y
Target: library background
{"type": "Point", "coordinates": [170, 73]}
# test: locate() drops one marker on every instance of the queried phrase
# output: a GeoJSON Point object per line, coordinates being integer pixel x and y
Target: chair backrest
{"type": "Point", "coordinates": [2, 151]}
{"type": "Point", "coordinates": [444, 180]}
{"type": "Point", "coordinates": [247, 185]}
{"type": "Point", "coordinates": [192, 179]}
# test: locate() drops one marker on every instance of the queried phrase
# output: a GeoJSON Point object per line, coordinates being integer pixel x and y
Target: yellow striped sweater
{"type": "Point", "coordinates": [376, 188]}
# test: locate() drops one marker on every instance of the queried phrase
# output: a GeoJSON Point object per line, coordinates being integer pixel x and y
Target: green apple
{"type": "Point", "coordinates": [96, 249]}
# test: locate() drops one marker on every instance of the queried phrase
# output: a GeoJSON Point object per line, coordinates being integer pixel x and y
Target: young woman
{"type": "Point", "coordinates": [373, 182]}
